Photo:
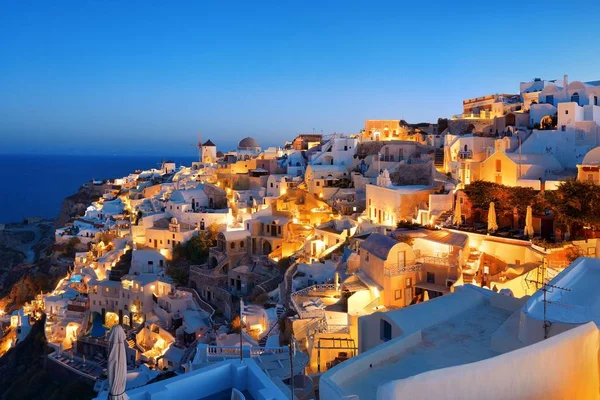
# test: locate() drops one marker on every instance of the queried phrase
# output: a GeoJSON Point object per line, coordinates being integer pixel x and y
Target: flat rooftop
{"type": "Point", "coordinates": [577, 302]}
{"type": "Point", "coordinates": [463, 339]}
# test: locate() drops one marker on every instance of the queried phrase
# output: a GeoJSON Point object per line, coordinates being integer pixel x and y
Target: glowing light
{"type": "Point", "coordinates": [321, 195]}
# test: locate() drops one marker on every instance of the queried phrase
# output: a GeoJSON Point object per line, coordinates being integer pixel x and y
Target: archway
{"type": "Point", "coordinates": [510, 120]}
{"type": "Point", "coordinates": [266, 248]}
{"type": "Point", "coordinates": [575, 98]}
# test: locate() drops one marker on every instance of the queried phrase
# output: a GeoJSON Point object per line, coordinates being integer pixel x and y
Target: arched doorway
{"type": "Point", "coordinates": [575, 98]}
{"type": "Point", "coordinates": [266, 248]}
{"type": "Point", "coordinates": [510, 120]}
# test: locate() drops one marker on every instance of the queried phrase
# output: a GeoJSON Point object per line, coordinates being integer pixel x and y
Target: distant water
{"type": "Point", "coordinates": [35, 185]}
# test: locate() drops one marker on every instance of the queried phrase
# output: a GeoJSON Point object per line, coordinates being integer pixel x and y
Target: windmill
{"type": "Point", "coordinates": [199, 147]}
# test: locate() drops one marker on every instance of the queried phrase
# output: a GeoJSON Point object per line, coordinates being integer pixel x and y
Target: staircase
{"type": "Point", "coordinates": [439, 158]}
{"type": "Point", "coordinates": [442, 219]}
{"type": "Point", "coordinates": [274, 328]}
{"type": "Point", "coordinates": [472, 265]}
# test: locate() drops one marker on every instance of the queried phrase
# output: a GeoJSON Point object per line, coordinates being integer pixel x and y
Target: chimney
{"type": "Point", "coordinates": [565, 81]}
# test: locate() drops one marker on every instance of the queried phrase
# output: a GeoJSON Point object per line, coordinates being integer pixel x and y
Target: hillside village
{"type": "Point", "coordinates": [369, 265]}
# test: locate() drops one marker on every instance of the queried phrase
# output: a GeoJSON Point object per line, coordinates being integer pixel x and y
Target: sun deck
{"type": "Point", "coordinates": [459, 340]}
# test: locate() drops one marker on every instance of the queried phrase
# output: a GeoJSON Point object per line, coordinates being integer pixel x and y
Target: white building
{"type": "Point", "coordinates": [460, 346]}
{"type": "Point", "coordinates": [208, 152]}
{"type": "Point", "coordinates": [388, 204]}
{"type": "Point", "coordinates": [277, 185]}
{"type": "Point", "coordinates": [318, 177]}
{"type": "Point", "coordinates": [336, 151]}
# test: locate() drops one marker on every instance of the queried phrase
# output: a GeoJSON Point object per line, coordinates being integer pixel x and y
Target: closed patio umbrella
{"type": "Point", "coordinates": [425, 295]}
{"type": "Point", "coordinates": [529, 223]}
{"type": "Point", "coordinates": [457, 220]}
{"type": "Point", "coordinates": [117, 364]}
{"type": "Point", "coordinates": [492, 224]}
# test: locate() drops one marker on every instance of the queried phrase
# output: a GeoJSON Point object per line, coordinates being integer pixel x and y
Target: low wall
{"type": "Point", "coordinates": [529, 373]}
{"type": "Point", "coordinates": [331, 381]}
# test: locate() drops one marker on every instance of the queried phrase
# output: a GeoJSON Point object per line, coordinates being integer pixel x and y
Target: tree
{"type": "Point", "coordinates": [442, 124]}
{"type": "Point", "coordinates": [575, 204]}
{"type": "Point", "coordinates": [196, 249]}
{"type": "Point", "coordinates": [548, 122]}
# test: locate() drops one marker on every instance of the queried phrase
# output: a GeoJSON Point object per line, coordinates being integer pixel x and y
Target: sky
{"type": "Point", "coordinates": [147, 77]}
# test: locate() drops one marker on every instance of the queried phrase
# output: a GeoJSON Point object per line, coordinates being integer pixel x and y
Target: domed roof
{"type": "Point", "coordinates": [592, 157]}
{"type": "Point", "coordinates": [248, 143]}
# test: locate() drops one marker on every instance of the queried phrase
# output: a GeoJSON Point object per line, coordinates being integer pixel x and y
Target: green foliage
{"type": "Point", "coordinates": [573, 204]}
{"type": "Point", "coordinates": [405, 239]}
{"type": "Point", "coordinates": [408, 225]}
{"type": "Point", "coordinates": [505, 198]}
{"type": "Point", "coordinates": [549, 122]}
{"type": "Point", "coordinates": [196, 249]}
{"type": "Point", "coordinates": [179, 273]}
{"type": "Point", "coordinates": [576, 202]}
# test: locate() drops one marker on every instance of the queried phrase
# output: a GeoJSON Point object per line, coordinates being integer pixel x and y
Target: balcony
{"type": "Point", "coordinates": [400, 270]}
{"type": "Point", "coordinates": [465, 154]}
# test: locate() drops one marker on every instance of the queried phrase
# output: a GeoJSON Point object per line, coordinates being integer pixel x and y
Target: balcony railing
{"type": "Point", "coordinates": [465, 154]}
{"type": "Point", "coordinates": [306, 292]}
{"type": "Point", "coordinates": [435, 260]}
{"type": "Point", "coordinates": [399, 270]}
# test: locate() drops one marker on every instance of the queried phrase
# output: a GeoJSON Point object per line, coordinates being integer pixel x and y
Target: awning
{"type": "Point", "coordinates": [433, 287]}
{"type": "Point", "coordinates": [447, 237]}
{"type": "Point", "coordinates": [354, 284]}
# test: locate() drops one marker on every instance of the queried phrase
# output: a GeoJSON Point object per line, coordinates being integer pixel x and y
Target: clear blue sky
{"type": "Point", "coordinates": [143, 77]}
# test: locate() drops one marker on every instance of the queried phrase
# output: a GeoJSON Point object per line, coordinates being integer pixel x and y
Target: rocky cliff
{"type": "Point", "coordinates": [76, 204]}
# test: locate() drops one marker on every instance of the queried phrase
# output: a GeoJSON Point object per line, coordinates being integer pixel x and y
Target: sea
{"type": "Point", "coordinates": [35, 185]}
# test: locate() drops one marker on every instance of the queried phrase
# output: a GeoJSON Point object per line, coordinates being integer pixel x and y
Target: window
{"type": "Point", "coordinates": [398, 294]}
{"type": "Point", "coordinates": [550, 99]}
{"type": "Point", "coordinates": [367, 256]}
{"type": "Point", "coordinates": [430, 277]}
{"type": "Point", "coordinates": [385, 331]}
{"type": "Point", "coordinates": [595, 100]}
{"type": "Point", "coordinates": [498, 165]}
{"type": "Point", "coordinates": [271, 184]}
{"type": "Point", "coordinates": [242, 244]}
{"type": "Point", "coordinates": [566, 112]}
{"type": "Point", "coordinates": [169, 241]}
{"type": "Point", "coordinates": [318, 183]}
{"type": "Point", "coordinates": [408, 282]}
{"type": "Point", "coordinates": [563, 128]}
{"type": "Point", "coordinates": [161, 263]}
{"type": "Point", "coordinates": [575, 98]}
{"type": "Point", "coordinates": [173, 236]}
{"type": "Point", "coordinates": [232, 245]}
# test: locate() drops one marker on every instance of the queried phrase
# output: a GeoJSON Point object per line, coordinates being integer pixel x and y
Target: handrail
{"type": "Point", "coordinates": [397, 270]}
{"type": "Point", "coordinates": [201, 303]}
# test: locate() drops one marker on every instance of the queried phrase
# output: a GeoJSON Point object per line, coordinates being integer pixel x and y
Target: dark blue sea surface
{"type": "Point", "coordinates": [35, 185]}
